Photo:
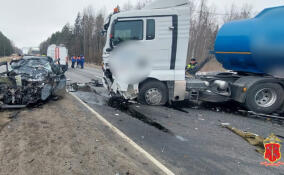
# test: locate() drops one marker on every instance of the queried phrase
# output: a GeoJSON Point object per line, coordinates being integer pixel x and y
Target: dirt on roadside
{"type": "Point", "coordinates": [62, 137]}
{"type": "Point", "coordinates": [4, 119]}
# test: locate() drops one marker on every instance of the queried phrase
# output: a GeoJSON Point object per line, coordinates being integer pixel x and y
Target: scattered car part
{"type": "Point", "coordinates": [251, 138]}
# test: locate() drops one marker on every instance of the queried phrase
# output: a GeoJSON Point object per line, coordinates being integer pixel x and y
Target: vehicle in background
{"type": "Point", "coordinates": [25, 50]}
{"type": "Point", "coordinates": [146, 51]}
{"type": "Point", "coordinates": [31, 51]}
{"type": "Point", "coordinates": [59, 53]}
{"type": "Point", "coordinates": [34, 51]}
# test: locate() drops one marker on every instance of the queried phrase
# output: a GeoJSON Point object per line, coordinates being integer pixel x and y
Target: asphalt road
{"type": "Point", "coordinates": [83, 75]}
{"type": "Point", "coordinates": [188, 141]}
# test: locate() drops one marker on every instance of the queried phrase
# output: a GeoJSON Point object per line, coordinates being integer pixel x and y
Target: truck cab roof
{"type": "Point", "coordinates": [157, 8]}
{"type": "Point", "coordinates": [162, 4]}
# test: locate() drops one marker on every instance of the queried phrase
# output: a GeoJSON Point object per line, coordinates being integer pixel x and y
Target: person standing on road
{"type": "Point", "coordinates": [73, 59]}
{"type": "Point", "coordinates": [82, 61]}
{"type": "Point", "coordinates": [78, 61]}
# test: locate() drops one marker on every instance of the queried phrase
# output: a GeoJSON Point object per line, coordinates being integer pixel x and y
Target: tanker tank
{"type": "Point", "coordinates": [253, 45]}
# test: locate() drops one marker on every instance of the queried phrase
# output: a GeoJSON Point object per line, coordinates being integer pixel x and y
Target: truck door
{"type": "Point", "coordinates": [151, 39]}
{"type": "Point", "coordinates": [159, 41]}
{"type": "Point", "coordinates": [127, 41]}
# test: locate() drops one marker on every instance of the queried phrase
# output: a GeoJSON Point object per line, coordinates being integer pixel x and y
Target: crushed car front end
{"type": "Point", "coordinates": [31, 80]}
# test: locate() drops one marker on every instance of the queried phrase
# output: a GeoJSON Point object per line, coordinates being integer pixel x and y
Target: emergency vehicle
{"type": "Point", "coordinates": [59, 53]}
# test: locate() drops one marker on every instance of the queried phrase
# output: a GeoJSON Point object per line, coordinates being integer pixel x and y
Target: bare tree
{"type": "Point", "coordinates": [98, 39]}
{"type": "Point", "coordinates": [235, 13]}
{"type": "Point", "coordinates": [203, 29]}
{"type": "Point", "coordinates": [204, 25]}
{"type": "Point", "coordinates": [88, 24]}
{"type": "Point", "coordinates": [142, 3]}
{"type": "Point", "coordinates": [127, 6]}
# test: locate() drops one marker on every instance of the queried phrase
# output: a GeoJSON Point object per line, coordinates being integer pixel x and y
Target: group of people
{"type": "Point", "coordinates": [79, 60]}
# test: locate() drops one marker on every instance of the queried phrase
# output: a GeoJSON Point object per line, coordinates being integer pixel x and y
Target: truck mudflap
{"type": "Point", "coordinates": [237, 93]}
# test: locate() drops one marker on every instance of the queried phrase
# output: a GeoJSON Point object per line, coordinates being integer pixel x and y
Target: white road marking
{"type": "Point", "coordinates": [127, 139]}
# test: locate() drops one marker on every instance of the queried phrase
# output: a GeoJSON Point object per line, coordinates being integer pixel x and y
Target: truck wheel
{"type": "Point", "coordinates": [153, 93]}
{"type": "Point", "coordinates": [265, 98]}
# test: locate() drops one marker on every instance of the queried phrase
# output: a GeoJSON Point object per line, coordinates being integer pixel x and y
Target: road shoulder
{"type": "Point", "coordinates": [63, 137]}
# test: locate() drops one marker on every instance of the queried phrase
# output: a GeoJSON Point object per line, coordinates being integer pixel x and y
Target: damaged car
{"type": "Point", "coordinates": [30, 80]}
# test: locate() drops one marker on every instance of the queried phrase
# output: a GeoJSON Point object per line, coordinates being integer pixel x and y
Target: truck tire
{"type": "Point", "coordinates": [265, 98]}
{"type": "Point", "coordinates": [154, 93]}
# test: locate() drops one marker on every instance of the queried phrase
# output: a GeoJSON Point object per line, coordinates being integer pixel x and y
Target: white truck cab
{"type": "Point", "coordinates": [145, 57]}
{"type": "Point", "coordinates": [146, 51]}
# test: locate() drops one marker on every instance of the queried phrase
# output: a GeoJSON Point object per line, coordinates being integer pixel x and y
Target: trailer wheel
{"type": "Point", "coordinates": [154, 93]}
{"type": "Point", "coordinates": [265, 98]}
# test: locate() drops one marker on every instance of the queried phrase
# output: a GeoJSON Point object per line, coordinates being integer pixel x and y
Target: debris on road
{"type": "Point", "coordinates": [14, 115]}
{"type": "Point", "coordinates": [125, 106]}
{"type": "Point", "coordinates": [74, 87]}
{"type": "Point", "coordinates": [181, 138]}
{"type": "Point", "coordinates": [274, 117]}
{"type": "Point", "coordinates": [251, 138]}
{"type": "Point", "coordinates": [96, 83]}
{"type": "Point", "coordinates": [32, 79]}
{"type": "Point", "coordinates": [6, 117]}
{"type": "Point", "coordinates": [119, 103]}
{"type": "Point", "coordinates": [84, 87]}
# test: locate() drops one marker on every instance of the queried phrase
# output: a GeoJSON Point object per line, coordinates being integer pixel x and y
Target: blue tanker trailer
{"type": "Point", "coordinates": [253, 50]}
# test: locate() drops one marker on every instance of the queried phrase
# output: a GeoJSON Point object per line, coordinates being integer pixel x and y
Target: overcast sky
{"type": "Point", "coordinates": [29, 22]}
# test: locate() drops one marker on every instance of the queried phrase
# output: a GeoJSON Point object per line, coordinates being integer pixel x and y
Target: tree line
{"type": "Point", "coordinates": [6, 46]}
{"type": "Point", "coordinates": [83, 37]}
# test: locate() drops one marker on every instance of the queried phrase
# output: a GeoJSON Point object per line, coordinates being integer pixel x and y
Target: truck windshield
{"type": "Point", "coordinates": [128, 30]}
